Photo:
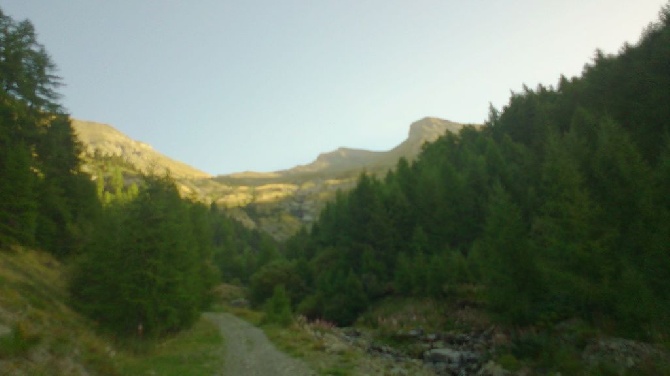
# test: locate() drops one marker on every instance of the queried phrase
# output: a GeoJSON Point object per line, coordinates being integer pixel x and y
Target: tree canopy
{"type": "Point", "coordinates": [557, 207]}
{"type": "Point", "coordinates": [46, 200]}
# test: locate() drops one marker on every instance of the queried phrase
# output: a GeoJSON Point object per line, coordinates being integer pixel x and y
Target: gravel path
{"type": "Point", "coordinates": [250, 353]}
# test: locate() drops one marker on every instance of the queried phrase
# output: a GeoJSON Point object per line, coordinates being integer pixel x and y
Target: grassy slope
{"type": "Point", "coordinates": [41, 335]}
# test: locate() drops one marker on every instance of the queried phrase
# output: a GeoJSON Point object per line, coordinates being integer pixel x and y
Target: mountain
{"type": "Point", "coordinates": [347, 160]}
{"type": "Point", "coordinates": [278, 202]}
{"type": "Point", "coordinates": [104, 140]}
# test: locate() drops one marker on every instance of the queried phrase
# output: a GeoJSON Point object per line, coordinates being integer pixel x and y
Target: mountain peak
{"type": "Point", "coordinates": [343, 152]}
{"type": "Point", "coordinates": [430, 128]}
{"type": "Point", "coordinates": [99, 138]}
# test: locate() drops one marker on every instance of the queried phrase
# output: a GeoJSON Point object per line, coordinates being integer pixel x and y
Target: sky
{"type": "Point", "coordinates": [230, 86]}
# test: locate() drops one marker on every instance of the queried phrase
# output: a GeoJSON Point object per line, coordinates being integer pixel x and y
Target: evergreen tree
{"type": "Point", "coordinates": [564, 235]}
{"type": "Point", "coordinates": [144, 267]}
{"type": "Point", "coordinates": [344, 297]}
{"type": "Point", "coordinates": [280, 272]}
{"type": "Point", "coordinates": [18, 207]}
{"type": "Point", "coordinates": [509, 268]}
{"type": "Point", "coordinates": [26, 70]}
{"type": "Point", "coordinates": [278, 308]}
{"type": "Point", "coordinates": [403, 281]}
{"type": "Point", "coordinates": [51, 202]}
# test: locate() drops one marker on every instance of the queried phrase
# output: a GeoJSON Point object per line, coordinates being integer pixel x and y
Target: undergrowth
{"type": "Point", "coordinates": [41, 335]}
{"type": "Point", "coordinates": [193, 352]}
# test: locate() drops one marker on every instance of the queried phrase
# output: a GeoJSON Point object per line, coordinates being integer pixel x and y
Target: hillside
{"type": "Point", "coordinates": [102, 139]}
{"type": "Point", "coordinates": [277, 202]}
{"type": "Point", "coordinates": [39, 333]}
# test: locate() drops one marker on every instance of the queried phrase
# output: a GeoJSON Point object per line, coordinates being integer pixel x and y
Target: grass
{"type": "Point", "coordinates": [194, 352]}
{"type": "Point", "coordinates": [41, 335]}
{"type": "Point", "coordinates": [296, 341]}
{"type": "Point", "coordinates": [17, 343]}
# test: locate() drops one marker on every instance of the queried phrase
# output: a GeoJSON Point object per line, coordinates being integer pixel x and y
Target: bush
{"type": "Point", "coordinates": [278, 308]}
{"type": "Point", "coordinates": [280, 272]}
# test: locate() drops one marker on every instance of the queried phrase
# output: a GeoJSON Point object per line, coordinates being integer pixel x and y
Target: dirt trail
{"type": "Point", "coordinates": [250, 353]}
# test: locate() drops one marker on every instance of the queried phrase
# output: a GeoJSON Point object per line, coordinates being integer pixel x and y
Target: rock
{"type": "Point", "coordinates": [451, 356]}
{"type": "Point", "coordinates": [416, 333]}
{"type": "Point", "coordinates": [620, 353]}
{"type": "Point", "coordinates": [469, 357]}
{"type": "Point", "coordinates": [492, 369]}
{"type": "Point", "coordinates": [445, 355]}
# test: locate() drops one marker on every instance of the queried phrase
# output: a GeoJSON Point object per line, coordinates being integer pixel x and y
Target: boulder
{"type": "Point", "coordinates": [415, 333]}
{"type": "Point", "coordinates": [445, 355]}
{"type": "Point", "coordinates": [492, 369]}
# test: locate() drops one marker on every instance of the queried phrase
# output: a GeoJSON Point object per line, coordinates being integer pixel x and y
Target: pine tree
{"type": "Point", "coordinates": [509, 267]}
{"type": "Point", "coordinates": [26, 70]}
{"type": "Point", "coordinates": [563, 233]}
{"type": "Point", "coordinates": [403, 281]}
{"type": "Point", "coordinates": [51, 201]}
{"type": "Point", "coordinates": [18, 207]}
{"type": "Point", "coordinates": [278, 308]}
{"type": "Point", "coordinates": [144, 266]}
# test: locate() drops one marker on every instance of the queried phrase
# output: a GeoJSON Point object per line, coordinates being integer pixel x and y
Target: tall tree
{"type": "Point", "coordinates": [51, 200]}
{"type": "Point", "coordinates": [26, 70]}
{"type": "Point", "coordinates": [509, 267]}
{"type": "Point", "coordinates": [146, 267]}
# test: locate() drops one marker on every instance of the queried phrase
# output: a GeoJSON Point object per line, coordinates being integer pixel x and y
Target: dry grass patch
{"type": "Point", "coordinates": [39, 333]}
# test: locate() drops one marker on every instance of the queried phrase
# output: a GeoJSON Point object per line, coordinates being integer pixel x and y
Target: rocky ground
{"type": "Point", "coordinates": [459, 353]}
{"type": "Point", "coordinates": [475, 346]}
{"type": "Point", "coordinates": [422, 353]}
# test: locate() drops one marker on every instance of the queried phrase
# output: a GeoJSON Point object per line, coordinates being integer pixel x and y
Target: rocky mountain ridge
{"type": "Point", "coordinates": [346, 159]}
{"type": "Point", "coordinates": [104, 140]}
{"type": "Point", "coordinates": [278, 202]}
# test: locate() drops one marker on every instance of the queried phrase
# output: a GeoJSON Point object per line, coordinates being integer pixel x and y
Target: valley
{"type": "Point", "coordinates": [278, 203]}
{"type": "Point", "coordinates": [533, 244]}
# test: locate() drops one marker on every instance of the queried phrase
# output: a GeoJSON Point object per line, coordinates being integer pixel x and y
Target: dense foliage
{"type": "Point", "coordinates": [558, 207]}
{"type": "Point", "coordinates": [150, 263]}
{"type": "Point", "coordinates": [155, 257]}
{"type": "Point", "coordinates": [46, 201]}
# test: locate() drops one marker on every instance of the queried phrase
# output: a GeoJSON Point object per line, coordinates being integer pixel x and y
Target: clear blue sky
{"type": "Point", "coordinates": [228, 86]}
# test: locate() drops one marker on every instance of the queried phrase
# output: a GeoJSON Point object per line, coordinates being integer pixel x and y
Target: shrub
{"type": "Point", "coordinates": [278, 308]}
